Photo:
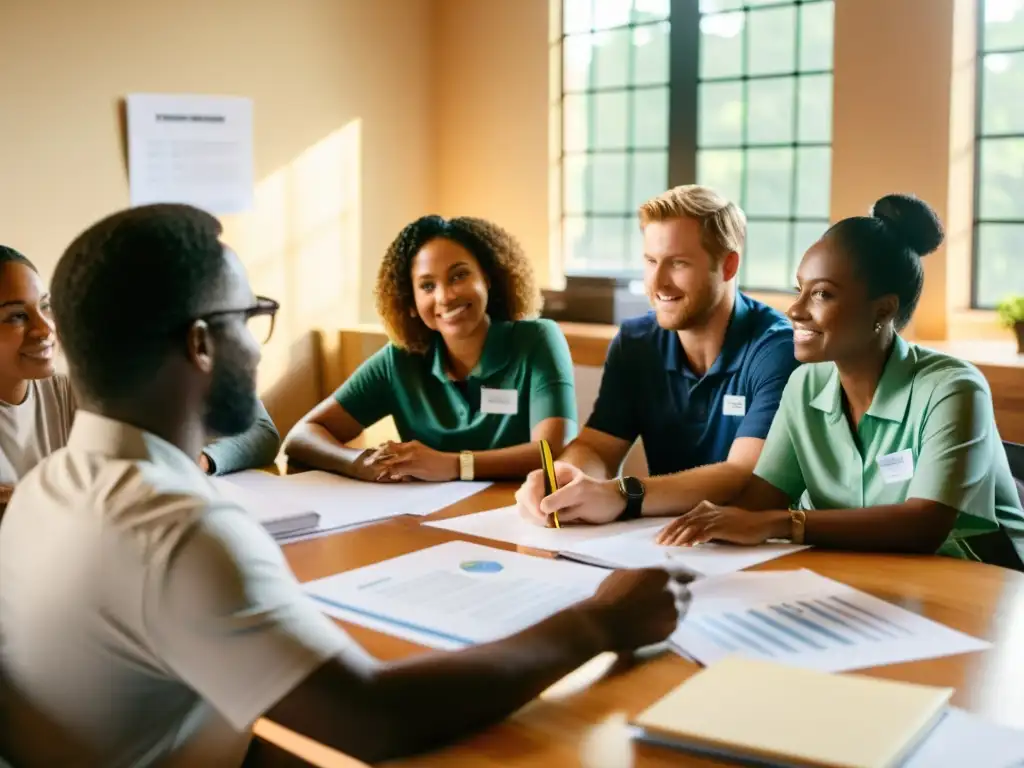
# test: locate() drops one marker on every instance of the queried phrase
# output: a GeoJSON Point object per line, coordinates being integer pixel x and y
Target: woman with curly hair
{"type": "Point", "coordinates": [471, 378]}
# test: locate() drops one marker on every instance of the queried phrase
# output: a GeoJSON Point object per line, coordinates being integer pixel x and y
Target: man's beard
{"type": "Point", "coordinates": [231, 404]}
{"type": "Point", "coordinates": [693, 312]}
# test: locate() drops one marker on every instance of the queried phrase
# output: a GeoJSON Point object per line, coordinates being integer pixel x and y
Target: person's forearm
{"type": "Point", "coordinates": [584, 457]}
{"type": "Point", "coordinates": [431, 700]}
{"type": "Point", "coordinates": [915, 526]}
{"type": "Point", "coordinates": [515, 462]}
{"type": "Point", "coordinates": [679, 493]}
{"type": "Point", "coordinates": [315, 447]}
{"type": "Point", "coordinates": [254, 448]}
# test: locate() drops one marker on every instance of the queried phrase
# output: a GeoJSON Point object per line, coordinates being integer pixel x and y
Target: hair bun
{"type": "Point", "coordinates": [911, 220]}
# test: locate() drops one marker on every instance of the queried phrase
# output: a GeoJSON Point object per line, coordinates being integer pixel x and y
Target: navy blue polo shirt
{"type": "Point", "coordinates": [648, 390]}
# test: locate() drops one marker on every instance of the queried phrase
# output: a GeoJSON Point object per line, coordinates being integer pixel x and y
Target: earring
{"type": "Point", "coordinates": [878, 327]}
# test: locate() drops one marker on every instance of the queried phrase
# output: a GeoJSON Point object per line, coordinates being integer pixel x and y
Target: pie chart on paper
{"type": "Point", "coordinates": [481, 566]}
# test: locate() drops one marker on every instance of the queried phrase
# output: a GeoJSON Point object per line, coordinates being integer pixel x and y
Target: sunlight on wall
{"type": "Point", "coordinates": [301, 244]}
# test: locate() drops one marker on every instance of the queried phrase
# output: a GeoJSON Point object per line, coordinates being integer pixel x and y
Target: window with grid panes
{"type": "Point", "coordinates": [999, 157]}
{"type": "Point", "coordinates": [765, 125]}
{"type": "Point", "coordinates": [757, 127]}
{"type": "Point", "coordinates": [615, 92]}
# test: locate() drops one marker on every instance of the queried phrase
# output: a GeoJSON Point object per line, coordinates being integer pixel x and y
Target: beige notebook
{"type": "Point", "coordinates": [784, 715]}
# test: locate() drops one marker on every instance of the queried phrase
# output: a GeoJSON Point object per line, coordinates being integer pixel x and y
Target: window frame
{"type": "Point", "coordinates": [684, 81]}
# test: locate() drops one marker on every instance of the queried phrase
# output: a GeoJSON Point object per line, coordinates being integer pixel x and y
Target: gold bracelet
{"type": "Point", "coordinates": [797, 519]}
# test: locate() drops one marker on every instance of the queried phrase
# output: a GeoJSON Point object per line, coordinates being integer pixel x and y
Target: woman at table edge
{"type": "Point", "coordinates": [878, 444]}
{"type": "Point", "coordinates": [37, 404]}
{"type": "Point", "coordinates": [470, 378]}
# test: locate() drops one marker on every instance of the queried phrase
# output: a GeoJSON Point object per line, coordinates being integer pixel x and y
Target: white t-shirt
{"type": "Point", "coordinates": [36, 427]}
{"type": "Point", "coordinates": [144, 619]}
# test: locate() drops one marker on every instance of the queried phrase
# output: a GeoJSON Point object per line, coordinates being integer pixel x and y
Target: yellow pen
{"type": "Point", "coordinates": [550, 482]}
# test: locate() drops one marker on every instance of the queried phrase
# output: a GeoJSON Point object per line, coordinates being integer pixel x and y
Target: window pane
{"type": "Point", "coordinates": [611, 13]}
{"type": "Point", "coordinates": [650, 177]}
{"type": "Point", "coordinates": [770, 111]}
{"type": "Point", "coordinates": [1001, 181]}
{"type": "Point", "coordinates": [721, 114]}
{"type": "Point", "coordinates": [1002, 108]}
{"type": "Point", "coordinates": [1004, 24]}
{"type": "Point", "coordinates": [807, 233]}
{"type": "Point", "coordinates": [817, 21]}
{"type": "Point", "coordinates": [813, 179]}
{"type": "Point", "coordinates": [772, 40]}
{"type": "Point", "coordinates": [766, 256]}
{"type": "Point", "coordinates": [650, 54]}
{"type": "Point", "coordinates": [649, 10]}
{"type": "Point", "coordinates": [610, 115]}
{"type": "Point", "coordinates": [575, 123]}
{"type": "Point", "coordinates": [576, 15]}
{"type": "Point", "coordinates": [815, 108]}
{"type": "Point", "coordinates": [999, 257]}
{"type": "Point", "coordinates": [609, 245]}
{"type": "Point", "coordinates": [650, 117]}
{"type": "Point", "coordinates": [721, 45]}
{"type": "Point", "coordinates": [611, 58]}
{"type": "Point", "coordinates": [574, 184]}
{"type": "Point", "coordinates": [575, 242]}
{"type": "Point", "coordinates": [722, 170]}
{"type": "Point", "coordinates": [577, 62]}
{"type": "Point", "coordinates": [769, 182]}
{"type": "Point", "coordinates": [712, 6]}
{"type": "Point", "coordinates": [608, 193]}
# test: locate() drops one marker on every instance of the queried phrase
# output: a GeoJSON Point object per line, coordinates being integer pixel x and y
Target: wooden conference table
{"type": "Point", "coordinates": [982, 600]}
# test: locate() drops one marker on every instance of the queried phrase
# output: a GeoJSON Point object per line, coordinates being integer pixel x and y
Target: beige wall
{"type": "Point", "coordinates": [344, 136]}
{"type": "Point", "coordinates": [491, 118]}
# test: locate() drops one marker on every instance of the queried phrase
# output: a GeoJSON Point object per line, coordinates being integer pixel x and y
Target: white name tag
{"type": "Point", "coordinates": [499, 401]}
{"type": "Point", "coordinates": [734, 405]}
{"type": "Point", "coordinates": [897, 467]}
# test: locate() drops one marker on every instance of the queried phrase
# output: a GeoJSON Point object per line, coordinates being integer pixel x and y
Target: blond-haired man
{"type": "Point", "coordinates": [699, 378]}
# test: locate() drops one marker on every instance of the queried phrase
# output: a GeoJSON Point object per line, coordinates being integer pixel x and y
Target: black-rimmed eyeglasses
{"type": "Point", "coordinates": [259, 318]}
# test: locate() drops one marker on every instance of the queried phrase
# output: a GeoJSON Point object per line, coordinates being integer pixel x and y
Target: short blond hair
{"type": "Point", "coordinates": [723, 225]}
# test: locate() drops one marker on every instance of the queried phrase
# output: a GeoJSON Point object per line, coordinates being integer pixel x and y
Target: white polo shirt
{"type": "Point", "coordinates": [144, 619]}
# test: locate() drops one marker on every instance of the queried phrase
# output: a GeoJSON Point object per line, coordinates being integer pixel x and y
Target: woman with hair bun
{"type": "Point", "coordinates": [878, 444]}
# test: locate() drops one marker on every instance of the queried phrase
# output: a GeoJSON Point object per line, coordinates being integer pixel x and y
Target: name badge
{"type": "Point", "coordinates": [504, 401]}
{"type": "Point", "coordinates": [734, 405]}
{"type": "Point", "coordinates": [897, 467]}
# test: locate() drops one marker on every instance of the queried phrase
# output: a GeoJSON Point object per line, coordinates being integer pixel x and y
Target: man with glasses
{"type": "Point", "coordinates": [146, 620]}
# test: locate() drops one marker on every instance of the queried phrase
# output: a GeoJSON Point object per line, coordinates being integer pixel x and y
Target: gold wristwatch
{"type": "Point", "coordinates": [466, 465]}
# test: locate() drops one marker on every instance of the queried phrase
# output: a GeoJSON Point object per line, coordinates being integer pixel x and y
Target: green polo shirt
{"type": "Point", "coordinates": [524, 376]}
{"type": "Point", "coordinates": [930, 433]}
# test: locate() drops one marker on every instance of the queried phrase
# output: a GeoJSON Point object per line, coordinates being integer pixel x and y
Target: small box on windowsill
{"type": "Point", "coordinates": [608, 300]}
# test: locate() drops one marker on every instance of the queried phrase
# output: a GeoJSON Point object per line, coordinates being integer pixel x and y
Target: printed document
{"type": "Point", "coordinates": [804, 619]}
{"type": "Point", "coordinates": [507, 524]}
{"type": "Point", "coordinates": [455, 594]}
{"type": "Point", "coordinates": [191, 149]}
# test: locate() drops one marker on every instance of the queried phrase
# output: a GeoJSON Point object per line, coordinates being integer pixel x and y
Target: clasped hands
{"type": "Point", "coordinates": [394, 462]}
{"type": "Point", "coordinates": [581, 499]}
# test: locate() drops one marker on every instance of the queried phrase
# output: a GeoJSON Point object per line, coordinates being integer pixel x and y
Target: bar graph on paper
{"type": "Point", "coordinates": [803, 619]}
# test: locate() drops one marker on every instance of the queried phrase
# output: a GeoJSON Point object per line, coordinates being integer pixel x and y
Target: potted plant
{"type": "Point", "coordinates": [1011, 314]}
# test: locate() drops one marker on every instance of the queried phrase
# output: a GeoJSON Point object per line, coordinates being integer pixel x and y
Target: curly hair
{"type": "Point", "coordinates": [513, 293]}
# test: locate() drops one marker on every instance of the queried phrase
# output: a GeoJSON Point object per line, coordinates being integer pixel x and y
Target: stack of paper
{"type": "Point", "coordinates": [281, 518]}
{"type": "Point", "coordinates": [455, 594]}
{"type": "Point", "coordinates": [751, 709]}
{"type": "Point", "coordinates": [806, 620]}
{"type": "Point", "coordinates": [342, 502]}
